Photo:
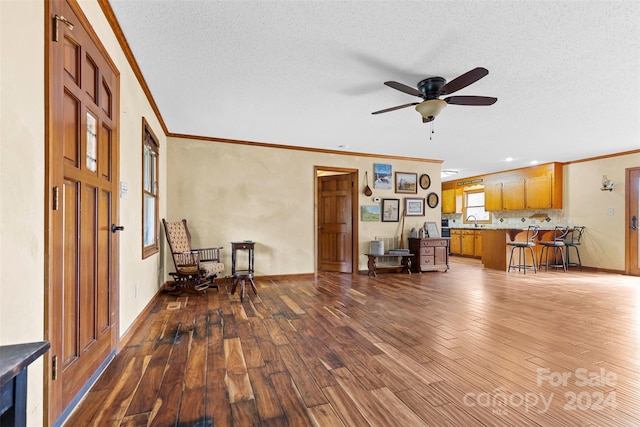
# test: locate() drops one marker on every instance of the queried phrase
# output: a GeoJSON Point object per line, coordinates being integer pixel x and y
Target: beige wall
{"type": "Point", "coordinates": [22, 177]}
{"type": "Point", "coordinates": [585, 204]}
{"type": "Point", "coordinates": [22, 184]}
{"type": "Point", "coordinates": [227, 191]}
{"type": "Point", "coordinates": [133, 106]}
{"type": "Point", "coordinates": [231, 192]}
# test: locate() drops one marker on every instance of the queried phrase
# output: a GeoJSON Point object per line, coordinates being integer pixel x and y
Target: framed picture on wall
{"type": "Point", "coordinates": [370, 213]}
{"type": "Point", "coordinates": [406, 182]}
{"type": "Point", "coordinates": [413, 206]}
{"type": "Point", "coordinates": [390, 210]}
{"type": "Point", "coordinates": [382, 176]}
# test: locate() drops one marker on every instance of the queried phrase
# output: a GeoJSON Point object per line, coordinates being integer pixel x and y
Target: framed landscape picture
{"type": "Point", "coordinates": [406, 182]}
{"type": "Point", "coordinates": [390, 210]}
{"type": "Point", "coordinates": [370, 213]}
{"type": "Point", "coordinates": [382, 176]}
{"type": "Point", "coordinates": [413, 206]}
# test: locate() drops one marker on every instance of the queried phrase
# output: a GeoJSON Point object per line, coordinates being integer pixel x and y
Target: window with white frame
{"type": "Point", "coordinates": [474, 207]}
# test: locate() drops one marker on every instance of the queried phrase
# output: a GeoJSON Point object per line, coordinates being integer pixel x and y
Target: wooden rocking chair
{"type": "Point", "coordinates": [195, 268]}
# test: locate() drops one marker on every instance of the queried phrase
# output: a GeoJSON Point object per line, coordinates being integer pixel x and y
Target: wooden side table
{"type": "Point", "coordinates": [405, 262]}
{"type": "Point", "coordinates": [242, 275]}
{"type": "Point", "coordinates": [14, 360]}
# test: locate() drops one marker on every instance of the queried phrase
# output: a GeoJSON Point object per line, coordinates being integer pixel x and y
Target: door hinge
{"type": "Point", "coordinates": [54, 367]}
{"type": "Point", "coordinates": [56, 20]}
{"type": "Point", "coordinates": [56, 198]}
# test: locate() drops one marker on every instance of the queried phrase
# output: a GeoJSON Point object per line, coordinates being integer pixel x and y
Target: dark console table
{"type": "Point", "coordinates": [405, 262]}
{"type": "Point", "coordinates": [14, 360]}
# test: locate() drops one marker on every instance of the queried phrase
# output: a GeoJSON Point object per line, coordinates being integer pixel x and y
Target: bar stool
{"type": "Point", "coordinates": [573, 242]}
{"type": "Point", "coordinates": [522, 246]}
{"type": "Point", "coordinates": [558, 246]}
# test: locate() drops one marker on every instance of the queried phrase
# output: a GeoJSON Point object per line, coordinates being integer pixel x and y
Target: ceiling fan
{"type": "Point", "coordinates": [432, 88]}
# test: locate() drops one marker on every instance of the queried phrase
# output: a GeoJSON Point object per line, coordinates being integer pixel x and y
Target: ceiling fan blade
{"type": "Point", "coordinates": [464, 80]}
{"type": "Point", "coordinates": [470, 100]}
{"type": "Point", "coordinates": [386, 110]}
{"type": "Point", "coordinates": [404, 88]}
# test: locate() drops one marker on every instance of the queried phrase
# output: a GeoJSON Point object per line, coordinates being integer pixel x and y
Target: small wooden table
{"type": "Point", "coordinates": [405, 262]}
{"type": "Point", "coordinates": [240, 276]}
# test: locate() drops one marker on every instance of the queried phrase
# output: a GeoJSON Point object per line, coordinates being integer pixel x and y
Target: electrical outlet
{"type": "Point", "coordinates": [610, 211]}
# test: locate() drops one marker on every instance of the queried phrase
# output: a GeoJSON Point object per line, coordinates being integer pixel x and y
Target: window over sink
{"type": "Point", "coordinates": [474, 210]}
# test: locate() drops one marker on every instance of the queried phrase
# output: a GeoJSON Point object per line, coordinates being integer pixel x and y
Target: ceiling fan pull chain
{"type": "Point", "coordinates": [432, 132]}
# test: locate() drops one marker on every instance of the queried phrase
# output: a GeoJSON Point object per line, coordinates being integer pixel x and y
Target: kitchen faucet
{"type": "Point", "coordinates": [475, 220]}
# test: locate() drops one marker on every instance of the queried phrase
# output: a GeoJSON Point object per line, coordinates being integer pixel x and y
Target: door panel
{"type": "Point", "coordinates": [633, 219]}
{"type": "Point", "coordinates": [69, 291]}
{"type": "Point", "coordinates": [82, 251]}
{"type": "Point", "coordinates": [335, 228]}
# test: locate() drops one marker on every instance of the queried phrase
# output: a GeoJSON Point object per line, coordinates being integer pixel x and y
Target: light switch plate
{"type": "Point", "coordinates": [124, 189]}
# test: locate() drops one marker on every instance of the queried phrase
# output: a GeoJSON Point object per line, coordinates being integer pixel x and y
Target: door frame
{"type": "Point", "coordinates": [630, 257]}
{"type": "Point", "coordinates": [51, 179]}
{"type": "Point", "coordinates": [355, 205]}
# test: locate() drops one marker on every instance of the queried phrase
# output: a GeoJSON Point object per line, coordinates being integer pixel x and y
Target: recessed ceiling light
{"type": "Point", "coordinates": [343, 146]}
{"type": "Point", "coordinates": [447, 172]}
{"type": "Point", "coordinates": [534, 162]}
{"type": "Point", "coordinates": [509, 159]}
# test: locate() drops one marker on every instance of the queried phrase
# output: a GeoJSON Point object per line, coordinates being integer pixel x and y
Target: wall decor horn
{"type": "Point", "coordinates": [367, 189]}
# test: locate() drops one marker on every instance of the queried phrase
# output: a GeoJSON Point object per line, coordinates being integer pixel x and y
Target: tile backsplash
{"type": "Point", "coordinates": [516, 219]}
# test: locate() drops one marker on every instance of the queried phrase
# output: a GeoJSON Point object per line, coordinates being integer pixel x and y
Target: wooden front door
{"type": "Point", "coordinates": [335, 222]}
{"type": "Point", "coordinates": [82, 179]}
{"type": "Point", "coordinates": [633, 221]}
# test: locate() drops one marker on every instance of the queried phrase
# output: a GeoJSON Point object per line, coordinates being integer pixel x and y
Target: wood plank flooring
{"type": "Point", "coordinates": [470, 347]}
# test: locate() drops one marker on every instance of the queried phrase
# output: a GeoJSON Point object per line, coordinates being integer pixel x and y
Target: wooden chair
{"type": "Point", "coordinates": [195, 268]}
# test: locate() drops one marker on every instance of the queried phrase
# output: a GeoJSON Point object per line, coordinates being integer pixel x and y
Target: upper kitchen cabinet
{"type": "Point", "coordinates": [514, 197]}
{"type": "Point", "coordinates": [536, 187]}
{"type": "Point", "coordinates": [539, 192]}
{"type": "Point", "coordinates": [493, 196]}
{"type": "Point", "coordinates": [452, 201]}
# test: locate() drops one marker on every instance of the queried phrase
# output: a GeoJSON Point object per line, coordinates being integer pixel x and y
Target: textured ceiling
{"type": "Point", "coordinates": [309, 73]}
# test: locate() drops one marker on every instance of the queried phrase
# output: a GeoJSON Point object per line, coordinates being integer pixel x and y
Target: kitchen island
{"type": "Point", "coordinates": [496, 252]}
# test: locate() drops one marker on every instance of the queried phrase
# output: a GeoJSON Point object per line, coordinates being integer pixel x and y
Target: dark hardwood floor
{"type": "Point", "coordinates": [469, 347]}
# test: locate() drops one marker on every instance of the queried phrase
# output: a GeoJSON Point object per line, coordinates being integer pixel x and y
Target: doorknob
{"type": "Point", "coordinates": [115, 228]}
{"type": "Point", "coordinates": [634, 223]}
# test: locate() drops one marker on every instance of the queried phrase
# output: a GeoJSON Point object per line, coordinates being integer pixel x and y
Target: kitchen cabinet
{"type": "Point", "coordinates": [493, 196]}
{"type": "Point", "coordinates": [448, 201]}
{"type": "Point", "coordinates": [431, 254]}
{"type": "Point", "coordinates": [513, 195]}
{"type": "Point", "coordinates": [467, 242]}
{"type": "Point", "coordinates": [477, 243]}
{"type": "Point", "coordinates": [452, 201]}
{"type": "Point", "coordinates": [456, 241]}
{"type": "Point", "coordinates": [536, 187]}
{"type": "Point", "coordinates": [538, 192]}
{"type": "Point", "coordinates": [523, 194]}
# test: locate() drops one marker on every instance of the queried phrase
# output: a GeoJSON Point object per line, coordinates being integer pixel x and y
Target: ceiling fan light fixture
{"type": "Point", "coordinates": [430, 107]}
